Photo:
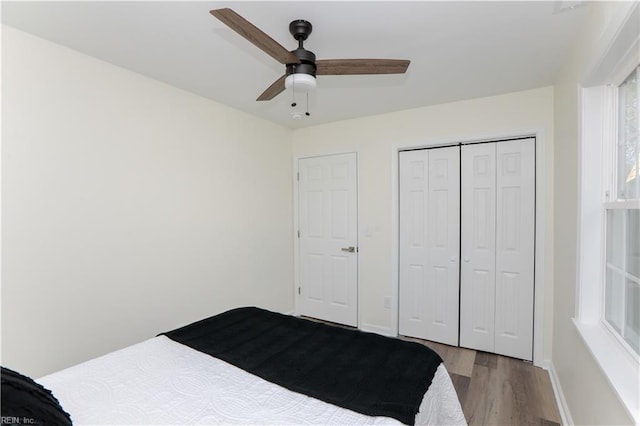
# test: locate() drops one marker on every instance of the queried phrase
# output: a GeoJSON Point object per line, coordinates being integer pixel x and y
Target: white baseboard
{"type": "Point", "coordinates": [565, 413]}
{"type": "Point", "coordinates": [370, 328]}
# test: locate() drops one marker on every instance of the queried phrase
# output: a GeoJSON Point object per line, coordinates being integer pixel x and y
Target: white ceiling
{"type": "Point", "coordinates": [458, 50]}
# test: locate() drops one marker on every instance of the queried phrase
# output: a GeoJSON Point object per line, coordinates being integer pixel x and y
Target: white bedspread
{"type": "Point", "coordinates": [162, 382]}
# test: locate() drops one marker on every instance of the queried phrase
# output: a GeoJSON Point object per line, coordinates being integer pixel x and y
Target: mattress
{"type": "Point", "coordinates": [162, 382]}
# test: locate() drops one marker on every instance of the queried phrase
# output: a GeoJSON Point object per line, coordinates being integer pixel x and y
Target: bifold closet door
{"type": "Point", "coordinates": [497, 247]}
{"type": "Point", "coordinates": [429, 244]}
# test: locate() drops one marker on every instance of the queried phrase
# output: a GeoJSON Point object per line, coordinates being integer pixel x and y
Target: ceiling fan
{"type": "Point", "coordinates": [301, 64]}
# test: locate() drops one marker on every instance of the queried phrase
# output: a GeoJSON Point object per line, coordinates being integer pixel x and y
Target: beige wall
{"type": "Point", "coordinates": [376, 138]}
{"type": "Point", "coordinates": [129, 207]}
{"type": "Point", "coordinates": [589, 397]}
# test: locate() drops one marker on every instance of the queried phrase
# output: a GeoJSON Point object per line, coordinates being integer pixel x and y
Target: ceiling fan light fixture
{"type": "Point", "coordinates": [300, 82]}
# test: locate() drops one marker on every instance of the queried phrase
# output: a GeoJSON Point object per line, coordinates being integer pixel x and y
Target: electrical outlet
{"type": "Point", "coordinates": [387, 303]}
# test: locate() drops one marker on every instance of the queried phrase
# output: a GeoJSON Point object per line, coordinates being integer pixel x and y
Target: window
{"type": "Point", "coordinates": [622, 220]}
{"type": "Point", "coordinates": [608, 293]}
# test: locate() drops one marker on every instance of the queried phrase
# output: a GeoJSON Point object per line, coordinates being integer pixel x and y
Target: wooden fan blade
{"type": "Point", "coordinates": [361, 66]}
{"type": "Point", "coordinates": [274, 90]}
{"type": "Point", "coordinates": [255, 35]}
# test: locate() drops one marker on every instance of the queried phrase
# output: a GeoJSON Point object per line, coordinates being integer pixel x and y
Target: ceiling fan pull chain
{"type": "Point", "coordinates": [293, 94]}
{"type": "Point", "coordinates": [307, 112]}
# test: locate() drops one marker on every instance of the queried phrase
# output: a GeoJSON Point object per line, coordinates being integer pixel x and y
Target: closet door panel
{"type": "Point", "coordinates": [414, 188]}
{"type": "Point", "coordinates": [478, 240]}
{"type": "Point", "coordinates": [515, 200]}
{"type": "Point", "coordinates": [443, 244]}
{"type": "Point", "coordinates": [429, 244]}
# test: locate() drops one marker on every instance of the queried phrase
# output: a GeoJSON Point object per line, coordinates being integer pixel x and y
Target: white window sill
{"type": "Point", "coordinates": [618, 365]}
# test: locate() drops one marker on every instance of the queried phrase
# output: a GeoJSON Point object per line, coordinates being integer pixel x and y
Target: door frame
{"type": "Point", "coordinates": [296, 227]}
{"type": "Point", "coordinates": [540, 268]}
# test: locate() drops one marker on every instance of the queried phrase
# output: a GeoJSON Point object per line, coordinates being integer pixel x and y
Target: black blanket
{"type": "Point", "coordinates": [363, 372]}
{"type": "Point", "coordinates": [24, 401]}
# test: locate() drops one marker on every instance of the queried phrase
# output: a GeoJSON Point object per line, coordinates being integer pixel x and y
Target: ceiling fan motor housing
{"type": "Point", "coordinates": [300, 30]}
{"type": "Point", "coordinates": [307, 63]}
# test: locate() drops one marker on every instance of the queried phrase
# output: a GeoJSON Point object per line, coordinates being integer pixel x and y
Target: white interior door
{"type": "Point", "coordinates": [478, 230]}
{"type": "Point", "coordinates": [429, 244]}
{"type": "Point", "coordinates": [328, 238]}
{"type": "Point", "coordinates": [515, 200]}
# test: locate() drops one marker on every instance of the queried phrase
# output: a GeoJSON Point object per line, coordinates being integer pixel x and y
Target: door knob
{"type": "Point", "coordinates": [350, 249]}
{"type": "Point", "coordinates": [452, 259]}
{"type": "Point", "coordinates": [466, 259]}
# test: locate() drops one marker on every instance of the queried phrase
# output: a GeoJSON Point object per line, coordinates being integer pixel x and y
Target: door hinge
{"type": "Point", "coordinates": [298, 176]}
{"type": "Point", "coordinates": [298, 233]}
{"type": "Point", "coordinates": [299, 291]}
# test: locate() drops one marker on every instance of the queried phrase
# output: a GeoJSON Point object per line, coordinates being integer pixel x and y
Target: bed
{"type": "Point", "coordinates": [252, 366]}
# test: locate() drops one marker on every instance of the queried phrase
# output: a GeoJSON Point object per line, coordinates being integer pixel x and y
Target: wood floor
{"type": "Point", "coordinates": [497, 390]}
